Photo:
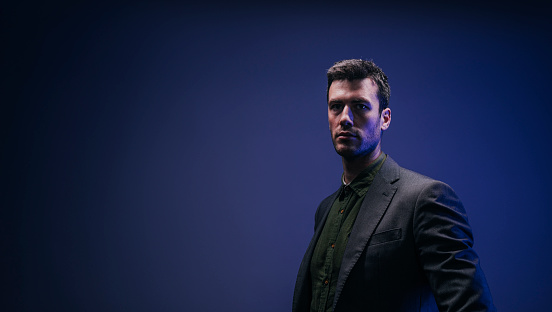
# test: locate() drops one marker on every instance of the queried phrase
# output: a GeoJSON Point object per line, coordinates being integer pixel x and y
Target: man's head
{"type": "Point", "coordinates": [355, 113]}
{"type": "Point", "coordinates": [360, 69]}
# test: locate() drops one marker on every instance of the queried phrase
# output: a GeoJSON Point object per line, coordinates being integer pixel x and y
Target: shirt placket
{"type": "Point", "coordinates": [343, 203]}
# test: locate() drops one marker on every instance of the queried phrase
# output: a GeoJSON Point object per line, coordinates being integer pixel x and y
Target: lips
{"type": "Point", "coordinates": [345, 135]}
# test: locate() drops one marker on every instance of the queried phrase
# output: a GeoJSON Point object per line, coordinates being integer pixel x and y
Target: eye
{"type": "Point", "coordinates": [336, 107]}
{"type": "Point", "coordinates": [361, 107]}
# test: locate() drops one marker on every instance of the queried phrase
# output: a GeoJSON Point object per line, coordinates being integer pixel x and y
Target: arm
{"type": "Point", "coordinates": [444, 243]}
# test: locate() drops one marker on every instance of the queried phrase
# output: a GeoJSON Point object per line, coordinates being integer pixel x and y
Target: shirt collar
{"type": "Point", "coordinates": [361, 183]}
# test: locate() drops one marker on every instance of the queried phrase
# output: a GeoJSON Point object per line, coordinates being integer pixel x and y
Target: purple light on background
{"type": "Point", "coordinates": [162, 157]}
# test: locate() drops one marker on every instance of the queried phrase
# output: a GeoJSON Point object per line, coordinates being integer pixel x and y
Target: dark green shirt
{"type": "Point", "coordinates": [328, 253]}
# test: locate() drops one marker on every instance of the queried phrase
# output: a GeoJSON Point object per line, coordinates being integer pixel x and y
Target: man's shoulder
{"type": "Point", "coordinates": [407, 178]}
{"type": "Point", "coordinates": [413, 176]}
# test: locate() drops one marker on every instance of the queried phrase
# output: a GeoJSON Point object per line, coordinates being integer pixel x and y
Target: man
{"type": "Point", "coordinates": [389, 239]}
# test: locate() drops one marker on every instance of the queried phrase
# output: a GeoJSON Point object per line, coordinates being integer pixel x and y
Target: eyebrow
{"type": "Point", "coordinates": [361, 100]}
{"type": "Point", "coordinates": [354, 101]}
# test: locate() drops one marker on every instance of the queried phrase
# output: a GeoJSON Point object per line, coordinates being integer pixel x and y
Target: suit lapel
{"type": "Point", "coordinates": [375, 203]}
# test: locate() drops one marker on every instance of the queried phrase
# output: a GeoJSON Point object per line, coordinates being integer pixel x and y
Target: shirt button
{"type": "Point", "coordinates": [333, 245]}
{"type": "Point", "coordinates": [326, 282]}
{"type": "Point", "coordinates": [342, 210]}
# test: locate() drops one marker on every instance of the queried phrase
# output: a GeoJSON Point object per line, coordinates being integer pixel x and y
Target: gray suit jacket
{"type": "Point", "coordinates": [410, 249]}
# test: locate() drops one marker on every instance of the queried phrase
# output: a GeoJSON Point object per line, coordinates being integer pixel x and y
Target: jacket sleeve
{"type": "Point", "coordinates": [444, 244]}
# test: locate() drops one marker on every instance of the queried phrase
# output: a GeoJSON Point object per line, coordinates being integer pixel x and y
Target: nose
{"type": "Point", "coordinates": [346, 117]}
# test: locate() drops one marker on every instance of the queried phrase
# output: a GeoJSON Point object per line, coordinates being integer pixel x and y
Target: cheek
{"type": "Point", "coordinates": [371, 128]}
{"type": "Point", "coordinates": [332, 123]}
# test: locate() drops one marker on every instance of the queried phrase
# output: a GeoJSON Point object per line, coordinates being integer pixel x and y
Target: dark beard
{"type": "Point", "coordinates": [351, 155]}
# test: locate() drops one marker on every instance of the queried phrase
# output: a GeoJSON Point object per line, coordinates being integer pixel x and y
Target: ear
{"type": "Point", "coordinates": [385, 118]}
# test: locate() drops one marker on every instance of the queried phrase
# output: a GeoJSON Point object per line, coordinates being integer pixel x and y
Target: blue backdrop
{"type": "Point", "coordinates": [169, 157]}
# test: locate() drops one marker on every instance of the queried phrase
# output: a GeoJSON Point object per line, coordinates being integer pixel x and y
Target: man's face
{"type": "Point", "coordinates": [354, 118]}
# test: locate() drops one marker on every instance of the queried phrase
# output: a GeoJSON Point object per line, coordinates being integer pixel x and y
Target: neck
{"type": "Point", "coordinates": [352, 167]}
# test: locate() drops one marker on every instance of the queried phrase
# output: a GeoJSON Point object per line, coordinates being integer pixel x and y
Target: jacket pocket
{"type": "Point", "coordinates": [385, 237]}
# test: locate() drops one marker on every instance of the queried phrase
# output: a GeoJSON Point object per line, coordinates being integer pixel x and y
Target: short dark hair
{"type": "Point", "coordinates": [360, 69]}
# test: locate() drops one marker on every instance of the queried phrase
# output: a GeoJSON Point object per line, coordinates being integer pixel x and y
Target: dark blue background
{"type": "Point", "coordinates": [169, 157]}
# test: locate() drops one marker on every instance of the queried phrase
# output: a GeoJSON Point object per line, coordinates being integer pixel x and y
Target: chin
{"type": "Point", "coordinates": [349, 152]}
{"type": "Point", "coordinates": [346, 152]}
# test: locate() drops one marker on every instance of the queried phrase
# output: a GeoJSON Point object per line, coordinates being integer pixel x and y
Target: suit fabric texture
{"type": "Point", "coordinates": [410, 249]}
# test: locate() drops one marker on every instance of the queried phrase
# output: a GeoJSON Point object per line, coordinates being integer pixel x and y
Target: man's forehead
{"type": "Point", "coordinates": [353, 85]}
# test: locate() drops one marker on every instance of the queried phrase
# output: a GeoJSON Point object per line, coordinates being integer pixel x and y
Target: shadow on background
{"type": "Point", "coordinates": [170, 157]}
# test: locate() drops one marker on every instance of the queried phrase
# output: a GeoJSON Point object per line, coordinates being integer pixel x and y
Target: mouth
{"type": "Point", "coordinates": [345, 135]}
